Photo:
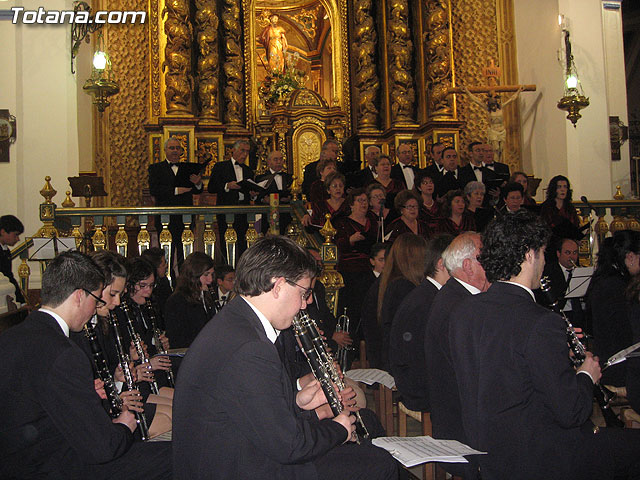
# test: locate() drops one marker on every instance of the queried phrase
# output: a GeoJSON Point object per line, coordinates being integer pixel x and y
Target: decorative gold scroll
{"type": "Point", "coordinates": [366, 80]}
{"type": "Point", "coordinates": [208, 59]}
{"type": "Point", "coordinates": [233, 61]}
{"type": "Point", "coordinates": [177, 63]}
{"type": "Point", "coordinates": [439, 58]}
{"type": "Point", "coordinates": [400, 51]}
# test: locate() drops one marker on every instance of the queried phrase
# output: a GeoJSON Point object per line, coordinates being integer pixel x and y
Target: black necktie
{"type": "Point", "coordinates": [569, 280]}
{"type": "Point", "coordinates": [477, 168]}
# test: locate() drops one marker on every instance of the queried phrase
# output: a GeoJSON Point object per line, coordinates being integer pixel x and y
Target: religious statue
{"type": "Point", "coordinates": [496, 133]}
{"type": "Point", "coordinates": [274, 40]}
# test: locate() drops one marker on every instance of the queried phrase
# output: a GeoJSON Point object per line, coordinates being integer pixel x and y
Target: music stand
{"type": "Point", "coordinates": [46, 249]}
{"type": "Point", "coordinates": [579, 283]}
{"type": "Point", "coordinates": [87, 186]}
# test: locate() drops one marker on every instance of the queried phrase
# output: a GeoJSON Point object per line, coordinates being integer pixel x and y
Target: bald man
{"type": "Point", "coordinates": [368, 174]}
{"type": "Point", "coordinates": [278, 181]}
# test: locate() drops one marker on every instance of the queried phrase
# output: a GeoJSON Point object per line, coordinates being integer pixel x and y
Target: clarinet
{"type": "Point", "coordinates": [137, 343]}
{"type": "Point", "coordinates": [602, 395]}
{"type": "Point", "coordinates": [156, 339]}
{"type": "Point", "coordinates": [100, 364]}
{"type": "Point", "coordinates": [123, 359]}
{"type": "Point", "coordinates": [323, 366]}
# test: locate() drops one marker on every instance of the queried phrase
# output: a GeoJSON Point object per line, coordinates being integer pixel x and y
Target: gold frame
{"type": "Point", "coordinates": [298, 169]}
{"type": "Point", "coordinates": [340, 97]}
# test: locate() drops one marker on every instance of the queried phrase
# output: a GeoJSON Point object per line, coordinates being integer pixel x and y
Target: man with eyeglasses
{"type": "Point", "coordinates": [235, 410]}
{"type": "Point", "coordinates": [53, 422]}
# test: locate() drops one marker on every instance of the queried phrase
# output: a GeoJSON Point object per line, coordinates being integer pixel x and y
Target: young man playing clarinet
{"type": "Point", "coordinates": [236, 414]}
{"type": "Point", "coordinates": [53, 424]}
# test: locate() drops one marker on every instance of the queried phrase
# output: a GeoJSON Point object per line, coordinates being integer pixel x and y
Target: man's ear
{"type": "Point", "coordinates": [277, 286]}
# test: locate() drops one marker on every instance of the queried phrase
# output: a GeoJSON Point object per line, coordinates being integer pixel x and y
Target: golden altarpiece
{"type": "Point", "coordinates": [370, 72]}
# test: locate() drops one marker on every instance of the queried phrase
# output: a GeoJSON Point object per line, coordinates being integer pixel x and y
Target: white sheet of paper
{"type": "Point", "coordinates": [371, 376]}
{"type": "Point", "coordinates": [411, 451]}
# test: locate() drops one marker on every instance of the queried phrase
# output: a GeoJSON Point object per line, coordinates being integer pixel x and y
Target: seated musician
{"type": "Point", "coordinates": [236, 414]}
{"type": "Point", "coordinates": [162, 290]}
{"type": "Point", "coordinates": [191, 305]}
{"type": "Point", "coordinates": [114, 270]}
{"type": "Point", "coordinates": [53, 424]}
{"type": "Point", "coordinates": [133, 313]}
{"type": "Point", "coordinates": [225, 279]}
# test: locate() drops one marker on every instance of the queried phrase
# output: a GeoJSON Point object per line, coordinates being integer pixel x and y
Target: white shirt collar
{"type": "Point", "coordinates": [272, 333]}
{"type": "Point", "coordinates": [377, 274]}
{"type": "Point", "coordinates": [435, 283]}
{"type": "Point", "coordinates": [521, 286]}
{"type": "Point", "coordinates": [4, 247]}
{"type": "Point", "coordinates": [274, 172]}
{"type": "Point", "coordinates": [61, 322]}
{"type": "Point", "coordinates": [225, 295]}
{"type": "Point", "coordinates": [472, 290]}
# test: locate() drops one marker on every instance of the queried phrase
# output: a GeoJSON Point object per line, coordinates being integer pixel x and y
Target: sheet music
{"type": "Point", "coordinates": [579, 282]}
{"type": "Point", "coordinates": [411, 451]}
{"type": "Point", "coordinates": [371, 376]}
{"type": "Point", "coordinates": [163, 437]}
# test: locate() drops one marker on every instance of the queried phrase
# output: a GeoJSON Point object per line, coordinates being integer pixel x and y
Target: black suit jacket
{"type": "Point", "coordinates": [234, 411]}
{"type": "Point", "coordinates": [501, 169]}
{"type": "Point", "coordinates": [448, 182]}
{"type": "Point", "coordinates": [406, 346]}
{"type": "Point", "coordinates": [361, 178]}
{"type": "Point", "coordinates": [223, 173]}
{"type": "Point", "coordinates": [522, 402]}
{"type": "Point", "coordinates": [396, 173]}
{"type": "Point", "coordinates": [467, 174]}
{"type": "Point", "coordinates": [53, 424]}
{"type": "Point", "coordinates": [272, 186]}
{"type": "Point", "coordinates": [433, 172]}
{"type": "Point", "coordinates": [162, 184]}
{"type": "Point", "coordinates": [183, 320]}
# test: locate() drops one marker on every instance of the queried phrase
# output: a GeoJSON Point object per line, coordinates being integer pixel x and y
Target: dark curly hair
{"type": "Point", "coordinates": [445, 210]}
{"type": "Point", "coordinates": [506, 241]}
{"type": "Point", "coordinates": [553, 187]}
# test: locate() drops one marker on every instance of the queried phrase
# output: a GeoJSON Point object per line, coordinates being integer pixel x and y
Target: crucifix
{"type": "Point", "coordinates": [496, 133]}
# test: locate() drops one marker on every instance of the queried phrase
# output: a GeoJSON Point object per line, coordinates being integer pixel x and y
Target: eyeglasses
{"type": "Point", "coordinates": [411, 207]}
{"type": "Point", "coordinates": [307, 291]}
{"type": "Point", "coordinates": [99, 301]}
{"type": "Point", "coordinates": [143, 285]}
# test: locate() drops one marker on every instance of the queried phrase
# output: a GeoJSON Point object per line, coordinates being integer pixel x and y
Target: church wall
{"type": "Point", "coordinates": [551, 145]}
{"type": "Point", "coordinates": [39, 89]}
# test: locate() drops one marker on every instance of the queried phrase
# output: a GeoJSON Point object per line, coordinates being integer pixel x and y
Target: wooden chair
{"type": "Point", "coordinates": [385, 407]}
{"type": "Point", "coordinates": [430, 471]}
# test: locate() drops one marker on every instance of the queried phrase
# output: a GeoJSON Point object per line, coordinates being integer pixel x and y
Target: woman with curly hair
{"type": "Point", "coordinates": [456, 218]}
{"type": "Point", "coordinates": [618, 264]}
{"type": "Point", "coordinates": [425, 188]}
{"type": "Point", "coordinates": [557, 208]}
{"type": "Point", "coordinates": [334, 205]}
{"type": "Point", "coordinates": [191, 306]}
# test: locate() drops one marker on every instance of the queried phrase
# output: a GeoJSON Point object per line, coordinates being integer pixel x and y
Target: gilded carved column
{"type": "Point", "coordinates": [208, 59]}
{"type": "Point", "coordinates": [366, 80]}
{"type": "Point", "coordinates": [233, 61]}
{"type": "Point", "coordinates": [439, 58]}
{"type": "Point", "coordinates": [400, 51]}
{"type": "Point", "coordinates": [177, 64]}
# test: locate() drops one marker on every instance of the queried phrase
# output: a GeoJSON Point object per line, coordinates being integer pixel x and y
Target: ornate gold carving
{"type": "Point", "coordinates": [143, 239]}
{"type": "Point", "coordinates": [306, 98]}
{"type": "Point", "coordinates": [178, 79]}
{"type": "Point", "coordinates": [121, 140]}
{"type": "Point", "coordinates": [400, 49]}
{"type": "Point", "coordinates": [306, 120]}
{"type": "Point", "coordinates": [67, 202]}
{"type": "Point", "coordinates": [309, 144]}
{"type": "Point", "coordinates": [154, 38]}
{"type": "Point", "coordinates": [252, 234]}
{"type": "Point", "coordinates": [233, 61]}
{"type": "Point", "coordinates": [307, 20]}
{"type": "Point", "coordinates": [77, 234]}
{"type": "Point", "coordinates": [208, 59]}
{"type": "Point", "coordinates": [121, 241]}
{"type": "Point", "coordinates": [366, 80]}
{"type": "Point", "coordinates": [438, 58]}
{"type": "Point", "coordinates": [48, 192]}
{"type": "Point", "coordinates": [99, 240]}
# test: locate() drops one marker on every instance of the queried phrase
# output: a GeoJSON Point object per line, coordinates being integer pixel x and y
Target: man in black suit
{"type": "Point", "coordinates": [330, 149]}
{"type": "Point", "coordinates": [559, 271]}
{"type": "Point", "coordinates": [224, 182]}
{"type": "Point", "coordinates": [364, 177]}
{"type": "Point", "coordinates": [451, 179]}
{"type": "Point", "coordinates": [10, 230]}
{"type": "Point", "coordinates": [53, 422]}
{"type": "Point", "coordinates": [404, 171]}
{"type": "Point", "coordinates": [522, 402]}
{"type": "Point", "coordinates": [475, 170]}
{"type": "Point", "coordinates": [500, 169]}
{"type": "Point", "coordinates": [467, 278]}
{"type": "Point", "coordinates": [406, 343]}
{"type": "Point", "coordinates": [173, 183]}
{"type": "Point", "coordinates": [275, 180]}
{"type": "Point", "coordinates": [235, 412]}
{"type": "Point", "coordinates": [435, 170]}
